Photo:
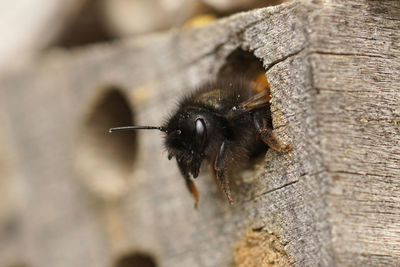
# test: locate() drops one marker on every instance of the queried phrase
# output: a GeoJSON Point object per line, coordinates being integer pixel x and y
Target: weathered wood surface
{"type": "Point", "coordinates": [334, 71]}
{"type": "Point", "coordinates": [25, 28]}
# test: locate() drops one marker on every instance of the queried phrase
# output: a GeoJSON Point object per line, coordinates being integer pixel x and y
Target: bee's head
{"type": "Point", "coordinates": [187, 137]}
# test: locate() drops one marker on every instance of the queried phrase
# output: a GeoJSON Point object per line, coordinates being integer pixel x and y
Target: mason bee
{"type": "Point", "coordinates": [223, 123]}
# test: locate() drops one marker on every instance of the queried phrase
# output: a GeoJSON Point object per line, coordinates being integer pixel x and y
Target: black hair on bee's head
{"type": "Point", "coordinates": [188, 136]}
{"type": "Point", "coordinates": [181, 132]}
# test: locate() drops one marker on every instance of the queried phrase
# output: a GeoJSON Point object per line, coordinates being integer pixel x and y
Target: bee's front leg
{"type": "Point", "coordinates": [220, 167]}
{"type": "Point", "coordinates": [211, 165]}
{"type": "Point", "coordinates": [267, 135]}
{"type": "Point", "coordinates": [189, 183]}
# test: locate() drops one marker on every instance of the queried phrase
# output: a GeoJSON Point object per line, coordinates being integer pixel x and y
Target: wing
{"type": "Point", "coordinates": [261, 98]}
{"type": "Point", "coordinates": [257, 101]}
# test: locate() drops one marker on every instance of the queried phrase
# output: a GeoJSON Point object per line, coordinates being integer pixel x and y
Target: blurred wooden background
{"type": "Point", "coordinates": [73, 195]}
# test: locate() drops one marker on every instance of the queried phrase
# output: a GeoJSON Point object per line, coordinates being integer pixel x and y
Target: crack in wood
{"type": "Point", "coordinates": [267, 192]}
{"type": "Point", "coordinates": [344, 54]}
{"type": "Point", "coordinates": [273, 63]}
{"type": "Point", "coordinates": [279, 187]}
{"type": "Point", "coordinates": [363, 174]}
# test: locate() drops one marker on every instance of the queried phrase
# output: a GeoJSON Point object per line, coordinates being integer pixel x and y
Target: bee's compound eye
{"type": "Point", "coordinates": [201, 133]}
{"type": "Point", "coordinates": [200, 127]}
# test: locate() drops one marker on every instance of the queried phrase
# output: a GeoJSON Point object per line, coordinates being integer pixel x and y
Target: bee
{"type": "Point", "coordinates": [223, 123]}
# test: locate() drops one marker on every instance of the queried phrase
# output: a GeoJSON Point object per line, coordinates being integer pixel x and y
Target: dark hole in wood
{"type": "Point", "coordinates": [106, 160]}
{"type": "Point", "coordinates": [241, 63]}
{"type": "Point", "coordinates": [258, 229]}
{"type": "Point", "coordinates": [86, 28]}
{"type": "Point", "coordinates": [246, 65]}
{"type": "Point", "coordinates": [136, 260]}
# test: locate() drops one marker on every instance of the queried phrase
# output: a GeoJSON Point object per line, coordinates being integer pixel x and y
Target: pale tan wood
{"type": "Point", "coordinates": [334, 71]}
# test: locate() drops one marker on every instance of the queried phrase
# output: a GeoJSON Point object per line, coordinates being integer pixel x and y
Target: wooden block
{"type": "Point", "coordinates": [333, 72]}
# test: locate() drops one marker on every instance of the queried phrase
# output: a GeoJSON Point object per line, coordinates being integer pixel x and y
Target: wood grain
{"type": "Point", "coordinates": [333, 67]}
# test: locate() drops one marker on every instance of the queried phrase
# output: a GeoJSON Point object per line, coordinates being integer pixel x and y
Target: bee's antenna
{"type": "Point", "coordinates": [128, 128]}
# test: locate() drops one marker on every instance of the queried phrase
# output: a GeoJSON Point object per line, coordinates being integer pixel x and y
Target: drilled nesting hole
{"type": "Point", "coordinates": [104, 160]}
{"type": "Point", "coordinates": [245, 65]}
{"type": "Point", "coordinates": [241, 63]}
{"type": "Point", "coordinates": [136, 260]}
{"type": "Point", "coordinates": [86, 27]}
